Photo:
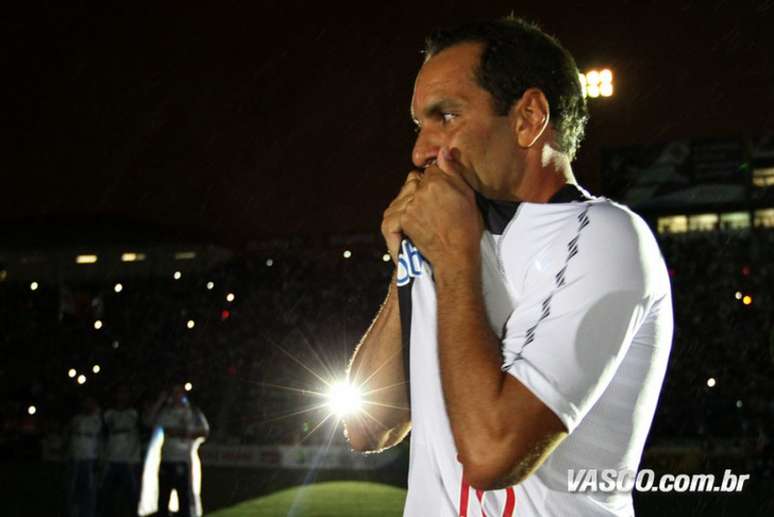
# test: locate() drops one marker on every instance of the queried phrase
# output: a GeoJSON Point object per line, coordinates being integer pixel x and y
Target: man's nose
{"type": "Point", "coordinates": [426, 150]}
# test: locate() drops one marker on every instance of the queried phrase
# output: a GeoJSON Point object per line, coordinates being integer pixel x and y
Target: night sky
{"type": "Point", "coordinates": [241, 124]}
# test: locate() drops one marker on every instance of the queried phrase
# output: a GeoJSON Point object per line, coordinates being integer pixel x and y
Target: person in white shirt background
{"type": "Point", "coordinates": [184, 428]}
{"type": "Point", "coordinates": [83, 442]}
{"type": "Point", "coordinates": [120, 485]}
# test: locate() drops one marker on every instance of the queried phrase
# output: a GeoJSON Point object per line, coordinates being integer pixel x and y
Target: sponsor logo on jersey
{"type": "Point", "coordinates": [410, 263]}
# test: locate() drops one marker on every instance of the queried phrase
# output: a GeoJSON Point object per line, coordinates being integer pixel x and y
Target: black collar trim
{"type": "Point", "coordinates": [497, 214]}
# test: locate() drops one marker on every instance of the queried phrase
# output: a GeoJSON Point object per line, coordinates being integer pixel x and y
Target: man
{"type": "Point", "coordinates": [83, 439]}
{"type": "Point", "coordinates": [184, 428]}
{"type": "Point", "coordinates": [120, 490]}
{"type": "Point", "coordinates": [538, 319]}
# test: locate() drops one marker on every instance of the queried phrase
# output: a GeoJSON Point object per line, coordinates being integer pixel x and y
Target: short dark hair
{"type": "Point", "coordinates": [517, 55]}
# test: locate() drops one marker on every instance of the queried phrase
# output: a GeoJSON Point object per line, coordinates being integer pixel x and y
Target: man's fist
{"type": "Point", "coordinates": [441, 217]}
{"type": "Point", "coordinates": [391, 220]}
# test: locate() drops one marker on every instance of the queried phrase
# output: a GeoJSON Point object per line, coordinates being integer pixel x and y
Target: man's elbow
{"type": "Point", "coordinates": [359, 441]}
{"type": "Point", "coordinates": [488, 477]}
{"type": "Point", "coordinates": [494, 468]}
{"type": "Point", "coordinates": [364, 439]}
{"type": "Point", "coordinates": [360, 438]}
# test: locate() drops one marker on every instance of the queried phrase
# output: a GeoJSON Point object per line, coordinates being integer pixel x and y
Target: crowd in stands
{"type": "Point", "coordinates": [259, 336]}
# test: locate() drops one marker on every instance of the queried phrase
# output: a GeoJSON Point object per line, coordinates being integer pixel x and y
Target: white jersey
{"type": "Point", "coordinates": [185, 418]}
{"type": "Point", "coordinates": [579, 295]}
{"type": "Point", "coordinates": [85, 436]}
{"type": "Point", "coordinates": [164, 448]}
{"type": "Point", "coordinates": [123, 437]}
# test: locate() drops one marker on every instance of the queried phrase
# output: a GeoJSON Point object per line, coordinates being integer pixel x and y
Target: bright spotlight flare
{"type": "Point", "coordinates": [344, 399]}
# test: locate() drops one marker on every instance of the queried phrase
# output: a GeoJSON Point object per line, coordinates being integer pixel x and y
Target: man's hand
{"type": "Point", "coordinates": [392, 230]}
{"type": "Point", "coordinates": [441, 217]}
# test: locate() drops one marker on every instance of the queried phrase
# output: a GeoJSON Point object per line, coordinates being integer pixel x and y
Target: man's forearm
{"type": "Point", "coordinates": [377, 370]}
{"type": "Point", "coordinates": [470, 359]}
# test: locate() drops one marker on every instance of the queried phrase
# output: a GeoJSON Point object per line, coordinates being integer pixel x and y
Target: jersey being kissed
{"type": "Point", "coordinates": [578, 293]}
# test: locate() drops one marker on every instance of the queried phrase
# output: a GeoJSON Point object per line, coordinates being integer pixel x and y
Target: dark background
{"type": "Point", "coordinates": [240, 123]}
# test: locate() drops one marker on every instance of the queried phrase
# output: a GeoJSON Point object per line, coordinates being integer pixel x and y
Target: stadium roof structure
{"type": "Point", "coordinates": [695, 196]}
{"type": "Point", "coordinates": [80, 248]}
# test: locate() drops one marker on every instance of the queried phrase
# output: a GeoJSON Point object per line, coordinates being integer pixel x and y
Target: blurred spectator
{"type": "Point", "coordinates": [83, 437]}
{"type": "Point", "coordinates": [119, 492]}
{"type": "Point", "coordinates": [184, 428]}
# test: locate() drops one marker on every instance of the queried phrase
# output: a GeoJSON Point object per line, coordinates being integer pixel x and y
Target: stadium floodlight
{"type": "Point", "coordinates": [747, 299]}
{"type": "Point", "coordinates": [177, 275]}
{"type": "Point", "coordinates": [344, 399]}
{"type": "Point", "coordinates": [34, 286]}
{"type": "Point", "coordinates": [711, 382]}
{"type": "Point", "coordinates": [185, 255]}
{"type": "Point", "coordinates": [81, 379]}
{"type": "Point", "coordinates": [386, 257]}
{"type": "Point", "coordinates": [118, 287]}
{"type": "Point", "coordinates": [32, 410]}
{"type": "Point", "coordinates": [191, 324]}
{"type": "Point", "coordinates": [72, 373]}
{"type": "Point", "coordinates": [269, 262]}
{"type": "Point", "coordinates": [132, 257]}
{"type": "Point", "coordinates": [86, 259]}
{"type": "Point", "coordinates": [738, 295]}
{"type": "Point", "coordinates": [597, 83]}
{"type": "Point", "coordinates": [188, 386]}
{"type": "Point", "coordinates": [230, 297]}
{"type": "Point", "coordinates": [347, 253]}
{"type": "Point", "coordinates": [98, 324]}
{"type": "Point", "coordinates": [96, 368]}
{"type": "Point", "coordinates": [210, 285]}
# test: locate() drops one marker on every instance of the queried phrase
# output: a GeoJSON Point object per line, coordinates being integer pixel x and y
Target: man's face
{"type": "Point", "coordinates": [452, 110]}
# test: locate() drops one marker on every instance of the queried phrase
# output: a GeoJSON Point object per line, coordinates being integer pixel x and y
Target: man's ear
{"type": "Point", "coordinates": [529, 117]}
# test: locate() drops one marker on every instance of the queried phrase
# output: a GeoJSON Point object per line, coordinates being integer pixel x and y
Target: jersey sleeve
{"type": "Point", "coordinates": [585, 296]}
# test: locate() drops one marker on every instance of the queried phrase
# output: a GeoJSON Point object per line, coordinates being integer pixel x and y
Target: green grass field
{"type": "Point", "coordinates": [331, 499]}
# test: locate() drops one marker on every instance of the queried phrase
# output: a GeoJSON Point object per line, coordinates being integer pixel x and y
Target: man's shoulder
{"type": "Point", "coordinates": [556, 223]}
{"type": "Point", "coordinates": [613, 211]}
{"type": "Point", "coordinates": [620, 244]}
{"type": "Point", "coordinates": [614, 222]}
{"type": "Point", "coordinates": [617, 225]}
{"type": "Point", "coordinates": [593, 234]}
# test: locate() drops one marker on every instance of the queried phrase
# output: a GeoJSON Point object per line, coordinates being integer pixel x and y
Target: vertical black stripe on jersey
{"type": "Point", "coordinates": [404, 307]}
{"type": "Point", "coordinates": [497, 215]}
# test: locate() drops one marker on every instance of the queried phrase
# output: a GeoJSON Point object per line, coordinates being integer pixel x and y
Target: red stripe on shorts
{"type": "Point", "coordinates": [510, 502]}
{"type": "Point", "coordinates": [480, 496]}
{"type": "Point", "coordinates": [464, 493]}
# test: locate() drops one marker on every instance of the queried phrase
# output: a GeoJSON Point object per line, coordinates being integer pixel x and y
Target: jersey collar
{"type": "Point", "coordinates": [497, 214]}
